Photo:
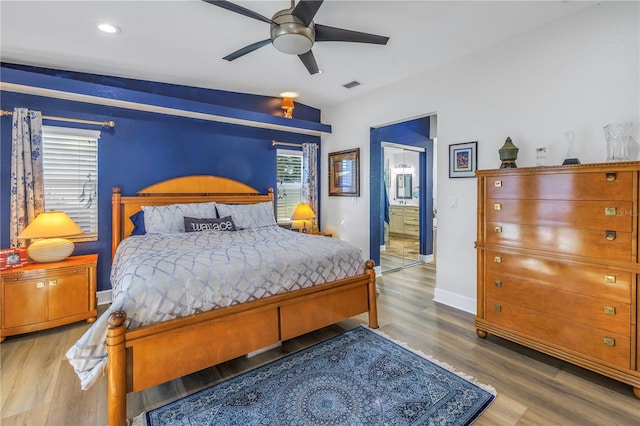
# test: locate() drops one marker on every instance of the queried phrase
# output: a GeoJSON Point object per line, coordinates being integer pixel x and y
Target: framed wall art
{"type": "Point", "coordinates": [463, 160]}
{"type": "Point", "coordinates": [344, 173]}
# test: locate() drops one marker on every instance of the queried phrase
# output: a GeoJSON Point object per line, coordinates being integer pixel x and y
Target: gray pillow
{"type": "Point", "coordinates": [193, 224]}
{"type": "Point", "coordinates": [249, 215]}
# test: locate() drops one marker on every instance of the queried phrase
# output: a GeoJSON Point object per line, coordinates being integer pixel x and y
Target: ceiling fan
{"type": "Point", "coordinates": [294, 32]}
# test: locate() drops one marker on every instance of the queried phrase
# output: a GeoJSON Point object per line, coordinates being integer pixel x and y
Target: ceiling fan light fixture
{"type": "Point", "coordinates": [292, 44]}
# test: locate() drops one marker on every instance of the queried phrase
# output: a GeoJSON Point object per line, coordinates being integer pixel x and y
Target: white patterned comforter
{"type": "Point", "coordinates": [159, 277]}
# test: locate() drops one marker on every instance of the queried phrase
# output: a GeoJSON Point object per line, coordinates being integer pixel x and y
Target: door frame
{"type": "Point", "coordinates": [414, 132]}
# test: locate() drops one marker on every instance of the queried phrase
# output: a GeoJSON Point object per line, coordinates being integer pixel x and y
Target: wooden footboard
{"type": "Point", "coordinates": [137, 358]}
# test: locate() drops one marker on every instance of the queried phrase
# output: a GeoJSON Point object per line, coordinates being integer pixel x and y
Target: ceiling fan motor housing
{"type": "Point", "coordinates": [290, 35]}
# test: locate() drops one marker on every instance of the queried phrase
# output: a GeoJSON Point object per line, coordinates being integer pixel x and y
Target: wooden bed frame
{"type": "Point", "coordinates": [140, 358]}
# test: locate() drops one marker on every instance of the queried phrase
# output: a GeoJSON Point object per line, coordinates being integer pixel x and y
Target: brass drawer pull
{"type": "Point", "coordinates": [497, 206]}
{"type": "Point", "coordinates": [611, 176]}
{"type": "Point", "coordinates": [609, 341]}
{"type": "Point", "coordinates": [610, 310]}
{"type": "Point", "coordinates": [610, 235]}
{"type": "Point", "coordinates": [497, 183]}
{"type": "Point", "coordinates": [610, 279]}
{"type": "Point", "coordinates": [610, 211]}
{"type": "Point", "coordinates": [497, 283]}
{"type": "Point", "coordinates": [498, 229]}
{"type": "Point", "coordinates": [40, 284]}
{"type": "Point", "coordinates": [497, 308]}
{"type": "Point", "coordinates": [497, 259]}
{"type": "Point", "coordinates": [53, 283]}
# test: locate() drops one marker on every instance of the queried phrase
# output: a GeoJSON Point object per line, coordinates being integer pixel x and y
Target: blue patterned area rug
{"type": "Point", "coordinates": [360, 377]}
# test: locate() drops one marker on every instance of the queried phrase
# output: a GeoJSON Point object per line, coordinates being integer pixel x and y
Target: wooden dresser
{"type": "Point", "coordinates": [558, 263]}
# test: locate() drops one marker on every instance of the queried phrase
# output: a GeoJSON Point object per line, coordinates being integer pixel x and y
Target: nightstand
{"type": "Point", "coordinates": [319, 233]}
{"type": "Point", "coordinates": [45, 295]}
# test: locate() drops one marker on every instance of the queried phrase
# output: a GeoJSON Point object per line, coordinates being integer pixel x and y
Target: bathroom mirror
{"type": "Point", "coordinates": [403, 186]}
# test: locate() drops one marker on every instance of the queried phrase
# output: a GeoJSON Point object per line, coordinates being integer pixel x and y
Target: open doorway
{"type": "Point", "coordinates": [411, 137]}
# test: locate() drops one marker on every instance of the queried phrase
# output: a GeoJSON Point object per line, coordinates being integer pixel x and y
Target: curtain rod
{"type": "Point", "coordinates": [274, 143]}
{"type": "Point", "coordinates": [69, 120]}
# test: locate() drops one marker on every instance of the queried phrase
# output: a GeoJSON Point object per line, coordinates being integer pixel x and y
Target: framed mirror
{"type": "Point", "coordinates": [403, 186]}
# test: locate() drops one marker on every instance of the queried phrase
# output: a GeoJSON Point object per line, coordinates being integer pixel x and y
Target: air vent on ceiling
{"type": "Point", "coordinates": [351, 84]}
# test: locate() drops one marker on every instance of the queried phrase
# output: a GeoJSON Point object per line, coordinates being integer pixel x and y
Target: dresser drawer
{"type": "Point", "coordinates": [605, 346]}
{"type": "Point", "coordinates": [601, 244]}
{"type": "Point", "coordinates": [603, 185]}
{"type": "Point", "coordinates": [411, 220]}
{"type": "Point", "coordinates": [614, 215]}
{"type": "Point", "coordinates": [605, 314]}
{"type": "Point", "coordinates": [597, 282]}
{"type": "Point", "coordinates": [413, 230]}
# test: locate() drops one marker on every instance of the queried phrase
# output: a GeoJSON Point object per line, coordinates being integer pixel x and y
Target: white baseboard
{"type": "Point", "coordinates": [426, 258]}
{"type": "Point", "coordinates": [378, 270]}
{"type": "Point", "coordinates": [455, 300]}
{"type": "Point", "coordinates": [383, 247]}
{"type": "Point", "coordinates": [104, 297]}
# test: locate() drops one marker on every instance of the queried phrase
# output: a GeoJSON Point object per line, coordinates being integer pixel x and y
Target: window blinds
{"type": "Point", "coordinates": [70, 165]}
{"type": "Point", "coordinates": [289, 175]}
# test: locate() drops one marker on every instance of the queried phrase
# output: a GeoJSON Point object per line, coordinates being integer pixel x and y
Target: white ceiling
{"type": "Point", "coordinates": [183, 41]}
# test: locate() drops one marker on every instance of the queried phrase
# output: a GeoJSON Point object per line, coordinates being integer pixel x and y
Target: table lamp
{"type": "Point", "coordinates": [48, 227]}
{"type": "Point", "coordinates": [303, 212]}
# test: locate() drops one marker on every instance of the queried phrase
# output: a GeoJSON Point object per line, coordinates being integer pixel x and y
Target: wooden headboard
{"type": "Point", "coordinates": [185, 189]}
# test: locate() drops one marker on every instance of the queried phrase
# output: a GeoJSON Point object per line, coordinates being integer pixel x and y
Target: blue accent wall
{"type": "Point", "coordinates": [145, 147]}
{"type": "Point", "coordinates": [412, 133]}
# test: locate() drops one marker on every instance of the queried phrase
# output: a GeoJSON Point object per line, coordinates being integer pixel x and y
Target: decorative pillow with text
{"type": "Point", "coordinates": [192, 224]}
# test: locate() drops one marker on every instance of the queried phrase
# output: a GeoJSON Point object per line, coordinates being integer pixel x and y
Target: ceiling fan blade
{"type": "Point", "coordinates": [325, 33]}
{"type": "Point", "coordinates": [247, 49]}
{"type": "Point", "coordinates": [305, 10]}
{"type": "Point", "coordinates": [309, 61]}
{"type": "Point", "coordinates": [239, 9]}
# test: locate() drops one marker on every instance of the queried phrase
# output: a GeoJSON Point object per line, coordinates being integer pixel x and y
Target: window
{"type": "Point", "coordinates": [70, 167]}
{"type": "Point", "coordinates": [289, 176]}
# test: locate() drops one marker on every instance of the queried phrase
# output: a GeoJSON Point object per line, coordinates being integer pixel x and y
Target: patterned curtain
{"type": "Point", "coordinates": [27, 188]}
{"type": "Point", "coordinates": [310, 175]}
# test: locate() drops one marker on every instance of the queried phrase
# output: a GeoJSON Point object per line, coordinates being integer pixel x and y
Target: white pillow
{"type": "Point", "coordinates": [170, 219]}
{"type": "Point", "coordinates": [247, 216]}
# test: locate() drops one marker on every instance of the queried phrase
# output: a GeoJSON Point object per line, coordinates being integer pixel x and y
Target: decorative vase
{"type": "Point", "coordinates": [618, 136]}
{"type": "Point", "coordinates": [541, 156]}
{"type": "Point", "coordinates": [508, 155]}
{"type": "Point", "coordinates": [570, 158]}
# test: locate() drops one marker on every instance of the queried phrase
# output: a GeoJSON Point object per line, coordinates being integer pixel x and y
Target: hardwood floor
{"type": "Point", "coordinates": [39, 387]}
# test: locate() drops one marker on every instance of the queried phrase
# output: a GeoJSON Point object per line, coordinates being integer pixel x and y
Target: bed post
{"type": "Point", "coordinates": [117, 369]}
{"type": "Point", "coordinates": [116, 218]}
{"type": "Point", "coordinates": [373, 304]}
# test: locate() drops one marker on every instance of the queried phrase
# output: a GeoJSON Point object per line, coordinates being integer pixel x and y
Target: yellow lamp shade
{"type": "Point", "coordinates": [303, 212]}
{"type": "Point", "coordinates": [50, 226]}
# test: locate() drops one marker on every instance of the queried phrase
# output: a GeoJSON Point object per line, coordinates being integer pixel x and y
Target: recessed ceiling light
{"type": "Point", "coordinates": [289, 94]}
{"type": "Point", "coordinates": [108, 28]}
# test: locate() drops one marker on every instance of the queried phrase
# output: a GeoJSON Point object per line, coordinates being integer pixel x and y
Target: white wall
{"type": "Point", "coordinates": [578, 74]}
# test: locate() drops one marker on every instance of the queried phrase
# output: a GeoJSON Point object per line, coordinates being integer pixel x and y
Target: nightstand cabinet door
{"type": "Point", "coordinates": [68, 293]}
{"type": "Point", "coordinates": [27, 302]}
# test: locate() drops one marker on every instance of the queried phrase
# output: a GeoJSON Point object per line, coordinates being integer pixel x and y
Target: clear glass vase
{"type": "Point", "coordinates": [618, 136]}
